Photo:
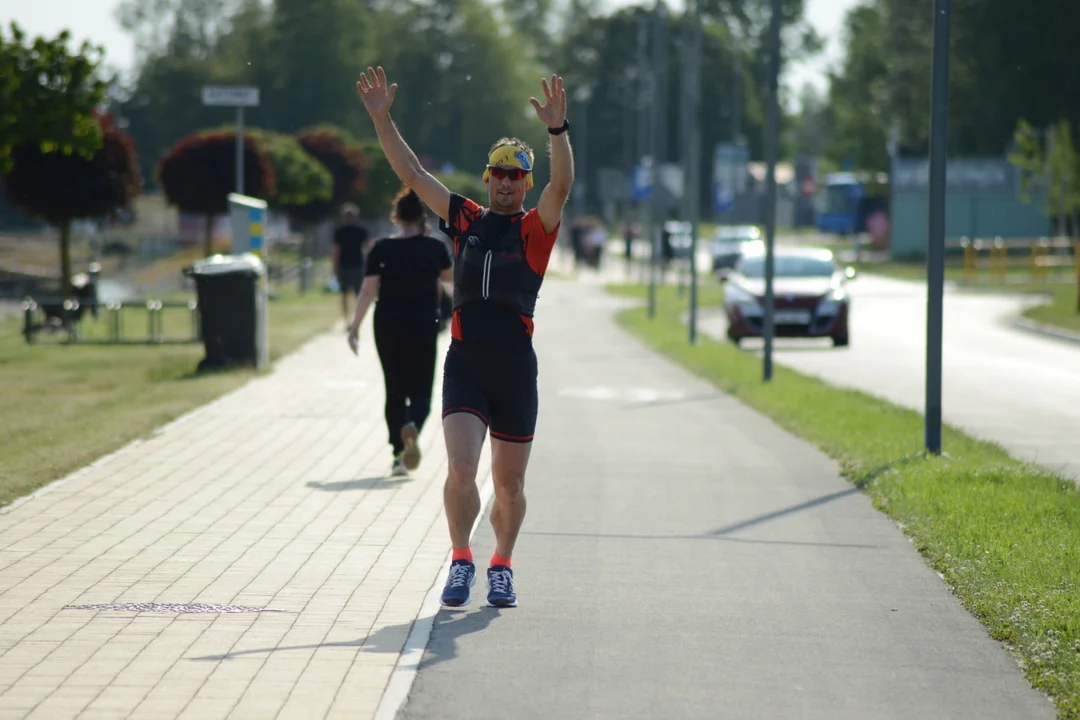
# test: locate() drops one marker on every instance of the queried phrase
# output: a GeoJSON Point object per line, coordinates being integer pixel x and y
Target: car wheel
{"type": "Point", "coordinates": [840, 341]}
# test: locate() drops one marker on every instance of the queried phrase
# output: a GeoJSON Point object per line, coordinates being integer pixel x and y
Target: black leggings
{"type": "Point", "coordinates": [407, 347]}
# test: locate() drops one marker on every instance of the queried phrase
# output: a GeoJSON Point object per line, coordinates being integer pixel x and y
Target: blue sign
{"type": "Point", "coordinates": [723, 199]}
{"type": "Point", "coordinates": [256, 223]}
{"type": "Point", "coordinates": [642, 183]}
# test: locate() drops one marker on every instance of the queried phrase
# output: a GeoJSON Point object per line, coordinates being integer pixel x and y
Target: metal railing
{"type": "Point", "coordinates": [1037, 255]}
{"type": "Point", "coordinates": [69, 316]}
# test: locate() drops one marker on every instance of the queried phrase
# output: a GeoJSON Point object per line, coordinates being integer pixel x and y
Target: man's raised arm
{"type": "Point", "coordinates": [378, 96]}
{"type": "Point", "coordinates": [553, 114]}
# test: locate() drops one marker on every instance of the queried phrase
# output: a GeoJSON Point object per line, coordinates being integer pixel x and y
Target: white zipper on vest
{"type": "Point", "coordinates": [485, 286]}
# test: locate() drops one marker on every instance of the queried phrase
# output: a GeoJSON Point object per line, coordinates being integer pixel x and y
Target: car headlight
{"type": "Point", "coordinates": [830, 304]}
{"type": "Point", "coordinates": [747, 303]}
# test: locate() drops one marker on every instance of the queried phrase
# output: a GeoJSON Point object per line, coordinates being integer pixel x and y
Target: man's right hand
{"type": "Point", "coordinates": [376, 93]}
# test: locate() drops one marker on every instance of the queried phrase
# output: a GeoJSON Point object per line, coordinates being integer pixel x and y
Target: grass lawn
{"type": "Point", "coordinates": [1004, 534]}
{"type": "Point", "coordinates": [67, 405]}
{"type": "Point", "coordinates": [1061, 288]}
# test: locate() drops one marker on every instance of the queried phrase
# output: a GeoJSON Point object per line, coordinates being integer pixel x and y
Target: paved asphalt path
{"type": "Point", "coordinates": [684, 557]}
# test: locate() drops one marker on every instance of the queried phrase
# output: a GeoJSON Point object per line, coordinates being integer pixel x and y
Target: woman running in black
{"type": "Point", "coordinates": [403, 272]}
{"type": "Point", "coordinates": [490, 375]}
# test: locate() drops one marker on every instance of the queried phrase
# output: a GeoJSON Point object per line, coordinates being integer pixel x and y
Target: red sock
{"type": "Point", "coordinates": [498, 559]}
{"type": "Point", "coordinates": [464, 553]}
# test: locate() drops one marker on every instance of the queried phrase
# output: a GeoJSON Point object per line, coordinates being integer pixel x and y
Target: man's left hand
{"type": "Point", "coordinates": [553, 112]}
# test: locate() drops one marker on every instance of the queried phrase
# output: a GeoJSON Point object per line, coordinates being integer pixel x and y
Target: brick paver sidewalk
{"type": "Point", "coordinates": [273, 497]}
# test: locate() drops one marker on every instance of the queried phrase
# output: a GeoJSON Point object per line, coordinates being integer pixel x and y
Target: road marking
{"type": "Point", "coordinates": [408, 664]}
{"type": "Point", "coordinates": [632, 394]}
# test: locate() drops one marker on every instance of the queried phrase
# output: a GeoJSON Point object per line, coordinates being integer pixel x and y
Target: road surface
{"type": "Point", "coordinates": [999, 383]}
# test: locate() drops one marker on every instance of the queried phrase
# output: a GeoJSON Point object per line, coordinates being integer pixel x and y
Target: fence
{"type": "Point", "coordinates": [67, 315]}
{"type": "Point", "coordinates": [997, 256]}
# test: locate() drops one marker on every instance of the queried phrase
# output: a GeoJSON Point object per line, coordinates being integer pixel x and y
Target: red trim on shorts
{"type": "Point", "coordinates": [469, 410]}
{"type": "Point", "coordinates": [511, 438]}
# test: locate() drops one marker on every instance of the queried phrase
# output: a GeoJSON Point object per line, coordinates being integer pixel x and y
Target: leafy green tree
{"type": "Point", "coordinates": [858, 99]}
{"type": "Point", "coordinates": [60, 187]}
{"type": "Point", "coordinates": [299, 178]}
{"type": "Point", "coordinates": [199, 172]}
{"type": "Point", "coordinates": [48, 95]}
{"type": "Point", "coordinates": [315, 52]}
{"type": "Point", "coordinates": [341, 155]}
{"type": "Point", "coordinates": [463, 81]}
{"type": "Point", "coordinates": [1049, 163]}
{"type": "Point", "coordinates": [381, 182]}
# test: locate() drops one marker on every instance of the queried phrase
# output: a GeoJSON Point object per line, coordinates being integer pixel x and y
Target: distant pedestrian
{"type": "Point", "coordinates": [350, 241]}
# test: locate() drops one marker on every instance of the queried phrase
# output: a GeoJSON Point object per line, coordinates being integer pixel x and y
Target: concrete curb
{"type": "Point", "coordinates": [1048, 331]}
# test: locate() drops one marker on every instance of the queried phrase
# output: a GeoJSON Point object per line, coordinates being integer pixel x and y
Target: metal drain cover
{"type": "Point", "coordinates": [172, 608]}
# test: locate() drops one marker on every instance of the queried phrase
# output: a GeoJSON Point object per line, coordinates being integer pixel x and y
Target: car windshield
{"type": "Point", "coordinates": [788, 266]}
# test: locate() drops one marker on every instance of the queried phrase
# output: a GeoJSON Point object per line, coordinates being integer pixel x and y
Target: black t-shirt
{"type": "Point", "coordinates": [409, 268]}
{"type": "Point", "coordinates": [351, 239]}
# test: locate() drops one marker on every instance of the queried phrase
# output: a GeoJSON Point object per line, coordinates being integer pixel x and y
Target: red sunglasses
{"type": "Point", "coordinates": [500, 172]}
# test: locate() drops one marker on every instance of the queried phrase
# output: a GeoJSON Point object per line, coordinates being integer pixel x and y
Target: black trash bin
{"type": "Point", "coordinates": [231, 293]}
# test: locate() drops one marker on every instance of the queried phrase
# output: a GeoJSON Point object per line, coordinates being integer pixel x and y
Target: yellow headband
{"type": "Point", "coordinates": [510, 156]}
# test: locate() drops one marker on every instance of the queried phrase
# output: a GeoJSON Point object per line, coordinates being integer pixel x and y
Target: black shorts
{"type": "Point", "coordinates": [350, 279]}
{"type": "Point", "coordinates": [500, 388]}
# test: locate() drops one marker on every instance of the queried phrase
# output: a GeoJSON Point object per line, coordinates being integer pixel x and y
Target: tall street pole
{"type": "Point", "coordinates": [935, 256]}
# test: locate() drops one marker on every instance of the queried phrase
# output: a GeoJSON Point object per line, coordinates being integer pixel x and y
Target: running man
{"type": "Point", "coordinates": [490, 373]}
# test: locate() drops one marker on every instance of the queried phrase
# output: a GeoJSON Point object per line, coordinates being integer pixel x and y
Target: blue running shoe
{"type": "Point", "coordinates": [501, 587]}
{"type": "Point", "coordinates": [462, 577]}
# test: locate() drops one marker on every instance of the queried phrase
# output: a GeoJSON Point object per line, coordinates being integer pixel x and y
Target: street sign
{"type": "Point", "coordinates": [723, 199]}
{"type": "Point", "coordinates": [729, 166]}
{"type": "Point", "coordinates": [642, 182]}
{"type": "Point", "coordinates": [235, 97]}
{"type": "Point", "coordinates": [230, 96]}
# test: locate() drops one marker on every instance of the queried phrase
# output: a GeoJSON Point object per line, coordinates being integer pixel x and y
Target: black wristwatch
{"type": "Point", "coordinates": [560, 130]}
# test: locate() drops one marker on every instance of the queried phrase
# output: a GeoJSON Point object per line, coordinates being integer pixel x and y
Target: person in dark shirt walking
{"type": "Point", "coordinates": [403, 273]}
{"type": "Point", "coordinates": [350, 240]}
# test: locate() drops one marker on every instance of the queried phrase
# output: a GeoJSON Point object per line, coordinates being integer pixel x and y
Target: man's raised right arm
{"type": "Point", "coordinates": [408, 168]}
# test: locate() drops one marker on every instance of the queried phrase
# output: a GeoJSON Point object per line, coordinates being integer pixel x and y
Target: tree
{"type": "Point", "coordinates": [613, 124]}
{"type": "Point", "coordinates": [190, 27]}
{"type": "Point", "coordinates": [1051, 165]}
{"type": "Point", "coordinates": [464, 81]}
{"type": "Point", "coordinates": [858, 100]}
{"type": "Point", "coordinates": [299, 178]}
{"type": "Point", "coordinates": [344, 159]}
{"type": "Point", "coordinates": [317, 48]}
{"type": "Point", "coordinates": [532, 23]}
{"type": "Point", "coordinates": [810, 134]}
{"type": "Point", "coordinates": [48, 96]}
{"type": "Point", "coordinates": [381, 182]}
{"type": "Point", "coordinates": [60, 187]}
{"type": "Point", "coordinates": [199, 172]}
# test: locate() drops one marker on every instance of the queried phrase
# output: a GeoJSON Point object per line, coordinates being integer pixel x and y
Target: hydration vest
{"type": "Point", "coordinates": [495, 268]}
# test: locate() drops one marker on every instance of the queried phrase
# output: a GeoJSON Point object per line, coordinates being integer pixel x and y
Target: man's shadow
{"type": "Point", "coordinates": [449, 624]}
{"type": "Point", "coordinates": [368, 483]}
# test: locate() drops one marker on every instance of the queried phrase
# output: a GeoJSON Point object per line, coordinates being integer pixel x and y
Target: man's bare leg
{"type": "Point", "coordinates": [508, 463]}
{"type": "Point", "coordinates": [464, 434]}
